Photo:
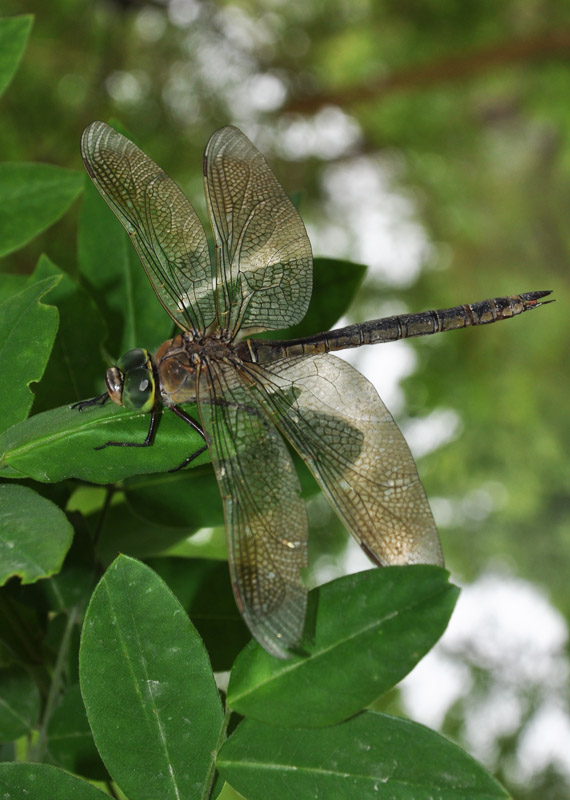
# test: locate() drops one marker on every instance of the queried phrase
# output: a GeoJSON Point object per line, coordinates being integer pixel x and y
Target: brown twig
{"type": "Point", "coordinates": [451, 68]}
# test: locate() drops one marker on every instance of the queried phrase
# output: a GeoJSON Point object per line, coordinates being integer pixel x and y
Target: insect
{"type": "Point", "coordinates": [251, 393]}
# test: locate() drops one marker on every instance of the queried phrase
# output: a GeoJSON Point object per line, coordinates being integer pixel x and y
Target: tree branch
{"type": "Point", "coordinates": [451, 68]}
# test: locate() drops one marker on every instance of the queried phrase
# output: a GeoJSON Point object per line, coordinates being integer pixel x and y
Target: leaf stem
{"type": "Point", "coordinates": [210, 778]}
{"type": "Point", "coordinates": [38, 750]}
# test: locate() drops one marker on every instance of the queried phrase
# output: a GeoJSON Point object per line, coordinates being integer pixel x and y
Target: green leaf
{"type": "Point", "coordinates": [334, 285]}
{"type": "Point", "coordinates": [126, 533]}
{"type": "Point", "coordinates": [69, 738]}
{"type": "Point", "coordinates": [19, 703]}
{"type": "Point", "coordinates": [370, 756]}
{"type": "Point", "coordinates": [112, 271]}
{"type": "Point", "coordinates": [14, 33]}
{"type": "Point", "coordinates": [35, 535]}
{"type": "Point", "coordinates": [59, 444]}
{"type": "Point", "coordinates": [177, 499]}
{"type": "Point", "coordinates": [209, 543]}
{"type": "Point", "coordinates": [33, 197]}
{"type": "Point", "coordinates": [11, 285]}
{"type": "Point", "coordinates": [27, 333]}
{"type": "Point", "coordinates": [75, 369]}
{"type": "Point", "coordinates": [204, 589]}
{"type": "Point", "coordinates": [73, 583]}
{"type": "Point", "coordinates": [43, 782]}
{"type": "Point", "coordinates": [148, 687]}
{"type": "Point", "coordinates": [371, 629]}
{"type": "Point", "coordinates": [188, 499]}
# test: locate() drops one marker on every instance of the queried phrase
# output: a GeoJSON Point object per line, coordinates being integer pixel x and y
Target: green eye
{"type": "Point", "coordinates": [133, 359]}
{"type": "Point", "coordinates": [139, 389]}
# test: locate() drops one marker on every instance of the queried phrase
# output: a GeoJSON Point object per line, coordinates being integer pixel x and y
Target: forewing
{"type": "Point", "coordinates": [266, 522]}
{"type": "Point", "coordinates": [164, 228]}
{"type": "Point", "coordinates": [337, 422]}
{"type": "Point", "coordinates": [263, 253]}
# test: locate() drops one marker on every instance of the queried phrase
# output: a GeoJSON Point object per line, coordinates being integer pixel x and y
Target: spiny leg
{"type": "Point", "coordinates": [197, 427]}
{"type": "Point", "coordinates": [147, 442]}
{"type": "Point", "coordinates": [100, 400]}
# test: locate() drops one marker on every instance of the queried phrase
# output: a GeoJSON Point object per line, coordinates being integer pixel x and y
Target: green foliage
{"type": "Point", "coordinates": [21, 357]}
{"type": "Point", "coordinates": [60, 444]}
{"type": "Point", "coordinates": [21, 703]}
{"type": "Point", "coordinates": [43, 782]}
{"type": "Point", "coordinates": [23, 552]}
{"type": "Point", "coordinates": [111, 270]}
{"type": "Point", "coordinates": [164, 703]}
{"type": "Point", "coordinates": [32, 197]}
{"type": "Point", "coordinates": [375, 625]}
{"type": "Point", "coordinates": [483, 154]}
{"type": "Point", "coordinates": [368, 756]}
{"type": "Point", "coordinates": [14, 34]}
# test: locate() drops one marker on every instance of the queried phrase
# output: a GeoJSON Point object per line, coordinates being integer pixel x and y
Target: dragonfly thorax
{"type": "Point", "coordinates": [181, 362]}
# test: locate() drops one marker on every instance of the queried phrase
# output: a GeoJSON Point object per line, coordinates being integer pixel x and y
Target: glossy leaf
{"type": "Point", "coordinates": [148, 686]}
{"type": "Point", "coordinates": [109, 266]}
{"type": "Point", "coordinates": [189, 498]}
{"type": "Point", "coordinates": [126, 533]}
{"type": "Point", "coordinates": [210, 543]}
{"type": "Point", "coordinates": [35, 535]}
{"type": "Point", "coordinates": [33, 197]}
{"type": "Point", "coordinates": [375, 625]}
{"type": "Point", "coordinates": [186, 499]}
{"type": "Point", "coordinates": [370, 756]}
{"type": "Point", "coordinates": [61, 444]}
{"type": "Point", "coordinates": [69, 738]}
{"type": "Point", "coordinates": [71, 374]}
{"type": "Point", "coordinates": [14, 33]}
{"type": "Point", "coordinates": [75, 580]}
{"type": "Point", "coordinates": [19, 705]}
{"type": "Point", "coordinates": [11, 284]}
{"type": "Point", "coordinates": [43, 782]}
{"type": "Point", "coordinates": [204, 589]}
{"type": "Point", "coordinates": [24, 357]}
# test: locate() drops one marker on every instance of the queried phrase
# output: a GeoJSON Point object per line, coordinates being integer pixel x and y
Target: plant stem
{"type": "Point", "coordinates": [209, 782]}
{"type": "Point", "coordinates": [37, 751]}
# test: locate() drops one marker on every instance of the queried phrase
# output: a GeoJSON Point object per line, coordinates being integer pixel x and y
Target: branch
{"type": "Point", "coordinates": [451, 68]}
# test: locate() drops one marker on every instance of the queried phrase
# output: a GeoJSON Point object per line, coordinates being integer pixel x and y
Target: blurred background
{"type": "Point", "coordinates": [429, 140]}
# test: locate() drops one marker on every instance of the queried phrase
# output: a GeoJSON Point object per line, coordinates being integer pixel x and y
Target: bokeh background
{"type": "Point", "coordinates": [429, 140]}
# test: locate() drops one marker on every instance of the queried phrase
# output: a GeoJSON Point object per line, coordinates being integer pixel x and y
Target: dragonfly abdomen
{"type": "Point", "coordinates": [401, 326]}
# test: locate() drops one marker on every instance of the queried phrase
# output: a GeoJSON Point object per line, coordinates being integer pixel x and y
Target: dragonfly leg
{"type": "Point", "coordinates": [100, 400]}
{"type": "Point", "coordinates": [186, 461]}
{"type": "Point", "coordinates": [197, 427]}
{"type": "Point", "coordinates": [147, 442]}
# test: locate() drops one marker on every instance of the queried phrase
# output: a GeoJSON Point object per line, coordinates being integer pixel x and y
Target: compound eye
{"type": "Point", "coordinates": [139, 389]}
{"type": "Point", "coordinates": [114, 380]}
{"type": "Point", "coordinates": [133, 359]}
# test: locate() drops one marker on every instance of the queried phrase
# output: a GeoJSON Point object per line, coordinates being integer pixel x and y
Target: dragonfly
{"type": "Point", "coordinates": [252, 394]}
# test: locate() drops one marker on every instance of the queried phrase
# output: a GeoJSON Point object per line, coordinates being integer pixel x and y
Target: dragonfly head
{"type": "Point", "coordinates": [131, 382]}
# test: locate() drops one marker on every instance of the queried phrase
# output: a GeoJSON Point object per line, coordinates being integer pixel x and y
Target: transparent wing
{"type": "Point", "coordinates": [164, 228]}
{"type": "Point", "coordinates": [263, 253]}
{"type": "Point", "coordinates": [337, 422]}
{"type": "Point", "coordinates": [266, 521]}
